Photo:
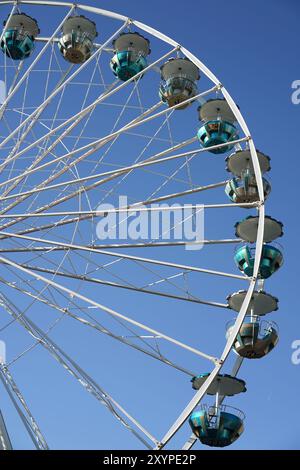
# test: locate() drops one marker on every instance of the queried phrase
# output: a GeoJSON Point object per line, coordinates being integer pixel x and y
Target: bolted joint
{"type": "Point", "coordinates": [218, 362]}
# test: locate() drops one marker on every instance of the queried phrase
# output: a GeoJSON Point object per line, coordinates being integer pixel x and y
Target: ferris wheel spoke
{"type": "Point", "coordinates": [153, 160]}
{"type": "Point", "coordinates": [63, 85]}
{"type": "Point", "coordinates": [56, 40]}
{"type": "Point", "coordinates": [77, 117]}
{"type": "Point", "coordinates": [114, 284]}
{"type": "Point", "coordinates": [55, 168]}
{"type": "Point", "coordinates": [70, 303]}
{"type": "Point", "coordinates": [64, 198]}
{"type": "Point", "coordinates": [39, 158]}
{"type": "Point", "coordinates": [94, 324]}
{"type": "Point", "coordinates": [14, 81]}
{"type": "Point", "coordinates": [31, 67]}
{"type": "Point", "coordinates": [109, 176]}
{"type": "Point", "coordinates": [145, 202]}
{"type": "Point", "coordinates": [125, 256]}
{"type": "Point", "coordinates": [93, 146]}
{"type": "Point", "coordinates": [125, 282]}
{"type": "Point", "coordinates": [59, 173]}
{"type": "Point", "coordinates": [14, 154]}
{"type": "Point", "coordinates": [108, 310]}
{"type": "Point", "coordinates": [121, 245]}
{"type": "Point", "coordinates": [104, 213]}
{"type": "Point", "coordinates": [137, 159]}
{"type": "Point", "coordinates": [14, 89]}
{"type": "Point", "coordinates": [161, 279]}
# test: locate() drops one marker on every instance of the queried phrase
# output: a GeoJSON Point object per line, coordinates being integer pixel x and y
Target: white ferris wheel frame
{"type": "Point", "coordinates": [219, 362]}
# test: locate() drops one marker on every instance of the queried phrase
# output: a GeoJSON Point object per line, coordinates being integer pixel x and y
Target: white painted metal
{"type": "Point", "coordinates": [34, 62]}
{"type": "Point", "coordinates": [109, 310]}
{"type": "Point", "coordinates": [259, 242]}
{"type": "Point", "coordinates": [5, 443]}
{"type": "Point", "coordinates": [76, 371]}
{"type": "Point", "coordinates": [135, 258]}
{"type": "Point", "coordinates": [114, 173]}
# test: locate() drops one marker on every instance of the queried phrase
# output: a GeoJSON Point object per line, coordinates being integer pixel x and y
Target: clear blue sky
{"type": "Point", "coordinates": [252, 48]}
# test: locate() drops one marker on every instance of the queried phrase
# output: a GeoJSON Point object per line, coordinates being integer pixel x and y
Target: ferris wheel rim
{"type": "Point", "coordinates": [258, 175]}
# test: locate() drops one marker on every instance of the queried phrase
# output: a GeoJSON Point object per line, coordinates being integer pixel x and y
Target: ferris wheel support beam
{"type": "Point", "coordinates": [56, 175]}
{"type": "Point", "coordinates": [146, 202]}
{"type": "Point", "coordinates": [103, 213]}
{"type": "Point", "coordinates": [96, 144]}
{"type": "Point", "coordinates": [131, 257]}
{"type": "Point", "coordinates": [32, 65]}
{"type": "Point", "coordinates": [259, 242]}
{"type": "Point", "coordinates": [59, 140]}
{"type": "Point", "coordinates": [108, 310]}
{"type": "Point", "coordinates": [63, 85]}
{"type": "Point", "coordinates": [154, 160]}
{"type": "Point", "coordinates": [26, 416]}
{"type": "Point", "coordinates": [8, 19]}
{"type": "Point", "coordinates": [77, 117]}
{"type": "Point", "coordinates": [67, 167]}
{"type": "Point", "coordinates": [32, 249]}
{"type": "Point", "coordinates": [51, 178]}
{"type": "Point", "coordinates": [13, 155]}
{"type": "Point", "coordinates": [17, 72]}
{"type": "Point", "coordinates": [23, 418]}
{"type": "Point", "coordinates": [22, 138]}
{"type": "Point", "coordinates": [64, 198]}
{"type": "Point", "coordinates": [5, 443]}
{"type": "Point", "coordinates": [76, 371]}
{"type": "Point", "coordinates": [97, 326]}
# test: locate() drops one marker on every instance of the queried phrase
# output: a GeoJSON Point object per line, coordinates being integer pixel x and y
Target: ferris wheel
{"type": "Point", "coordinates": [94, 106]}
